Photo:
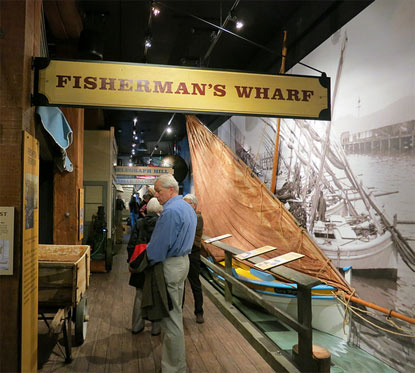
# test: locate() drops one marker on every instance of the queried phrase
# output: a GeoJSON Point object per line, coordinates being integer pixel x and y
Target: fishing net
{"type": "Point", "coordinates": [233, 200]}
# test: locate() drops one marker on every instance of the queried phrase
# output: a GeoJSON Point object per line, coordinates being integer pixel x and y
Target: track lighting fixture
{"type": "Point", "coordinates": [238, 23]}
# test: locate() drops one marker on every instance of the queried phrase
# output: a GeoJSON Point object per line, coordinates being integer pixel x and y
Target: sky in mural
{"type": "Point", "coordinates": [377, 83]}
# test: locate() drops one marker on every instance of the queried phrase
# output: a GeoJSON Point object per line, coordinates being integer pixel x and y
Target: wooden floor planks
{"type": "Point", "coordinates": [215, 346]}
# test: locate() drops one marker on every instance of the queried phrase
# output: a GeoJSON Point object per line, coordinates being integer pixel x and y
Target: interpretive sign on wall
{"type": "Point", "coordinates": [30, 242]}
{"type": "Point", "coordinates": [180, 89]}
{"type": "Point", "coordinates": [6, 240]}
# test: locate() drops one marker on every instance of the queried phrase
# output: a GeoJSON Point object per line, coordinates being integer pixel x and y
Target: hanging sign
{"type": "Point", "coordinates": [179, 89]}
{"type": "Point", "coordinates": [140, 175]}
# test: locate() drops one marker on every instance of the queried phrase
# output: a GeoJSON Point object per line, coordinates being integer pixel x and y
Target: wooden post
{"type": "Point", "coordinates": [19, 40]}
{"type": "Point", "coordinates": [228, 270]}
{"type": "Point", "coordinates": [321, 359]}
{"type": "Point", "coordinates": [305, 338]}
{"type": "Point", "coordinates": [67, 184]}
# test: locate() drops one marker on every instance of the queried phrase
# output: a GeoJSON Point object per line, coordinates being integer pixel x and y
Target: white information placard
{"type": "Point", "coordinates": [282, 259]}
{"type": "Point", "coordinates": [218, 238]}
{"type": "Point", "coordinates": [255, 252]}
{"type": "Point", "coordinates": [6, 240]}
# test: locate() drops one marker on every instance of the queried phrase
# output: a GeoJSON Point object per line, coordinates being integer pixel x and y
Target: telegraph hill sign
{"type": "Point", "coordinates": [134, 175]}
{"type": "Point", "coordinates": [179, 89]}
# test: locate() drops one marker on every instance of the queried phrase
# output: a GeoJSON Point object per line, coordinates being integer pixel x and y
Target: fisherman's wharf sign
{"type": "Point", "coordinates": [170, 88]}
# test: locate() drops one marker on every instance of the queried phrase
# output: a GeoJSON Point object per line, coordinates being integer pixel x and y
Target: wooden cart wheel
{"type": "Point", "coordinates": [81, 321]}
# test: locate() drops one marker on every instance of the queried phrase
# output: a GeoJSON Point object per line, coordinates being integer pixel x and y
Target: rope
{"type": "Point", "coordinates": [326, 263]}
{"type": "Point", "coordinates": [352, 309]}
{"type": "Point", "coordinates": [300, 241]}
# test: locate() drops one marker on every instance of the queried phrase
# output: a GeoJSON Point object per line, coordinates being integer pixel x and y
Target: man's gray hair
{"type": "Point", "coordinates": [191, 198]}
{"type": "Point", "coordinates": [154, 206]}
{"type": "Point", "coordinates": [167, 181]}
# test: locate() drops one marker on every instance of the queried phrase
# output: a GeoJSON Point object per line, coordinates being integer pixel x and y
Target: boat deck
{"type": "Point", "coordinates": [215, 346]}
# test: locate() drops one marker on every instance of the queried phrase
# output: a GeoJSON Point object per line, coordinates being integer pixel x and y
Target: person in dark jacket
{"type": "Point", "coordinates": [140, 236]}
{"type": "Point", "coordinates": [119, 207]}
{"type": "Point", "coordinates": [142, 208]}
{"type": "Point", "coordinates": [133, 206]}
{"type": "Point", "coordinates": [194, 259]}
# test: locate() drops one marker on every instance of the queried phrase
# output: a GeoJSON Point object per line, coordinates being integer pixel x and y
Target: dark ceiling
{"type": "Point", "coordinates": [187, 33]}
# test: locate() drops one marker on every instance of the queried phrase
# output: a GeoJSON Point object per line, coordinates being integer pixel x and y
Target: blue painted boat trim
{"type": "Point", "coordinates": [281, 286]}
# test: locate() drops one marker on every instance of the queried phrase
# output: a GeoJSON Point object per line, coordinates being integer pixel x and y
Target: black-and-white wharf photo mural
{"type": "Point", "coordinates": [351, 182]}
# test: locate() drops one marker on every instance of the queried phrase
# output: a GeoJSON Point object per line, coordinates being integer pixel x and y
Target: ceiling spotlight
{"type": "Point", "coordinates": [134, 145]}
{"type": "Point", "coordinates": [135, 137]}
{"type": "Point", "coordinates": [133, 151]}
{"type": "Point", "coordinates": [155, 10]}
{"type": "Point", "coordinates": [238, 23]}
{"type": "Point", "coordinates": [134, 132]}
{"type": "Point", "coordinates": [147, 42]}
{"type": "Point", "coordinates": [130, 164]}
{"type": "Point", "coordinates": [135, 120]}
{"type": "Point", "coordinates": [168, 129]}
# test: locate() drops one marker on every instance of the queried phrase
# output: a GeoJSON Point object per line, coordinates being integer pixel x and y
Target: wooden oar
{"type": "Point", "coordinates": [381, 309]}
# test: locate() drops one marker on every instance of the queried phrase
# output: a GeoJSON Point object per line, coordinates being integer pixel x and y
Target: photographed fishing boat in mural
{"type": "Point", "coordinates": [319, 188]}
{"type": "Point", "coordinates": [345, 245]}
{"type": "Point", "coordinates": [344, 218]}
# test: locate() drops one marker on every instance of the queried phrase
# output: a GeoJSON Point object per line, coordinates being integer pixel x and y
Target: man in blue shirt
{"type": "Point", "coordinates": [171, 243]}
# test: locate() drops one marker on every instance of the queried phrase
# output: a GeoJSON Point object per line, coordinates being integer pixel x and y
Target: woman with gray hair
{"type": "Point", "coordinates": [141, 234]}
{"type": "Point", "coordinates": [194, 258]}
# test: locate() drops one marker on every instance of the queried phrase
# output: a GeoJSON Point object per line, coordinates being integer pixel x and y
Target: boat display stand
{"type": "Point", "coordinates": [303, 327]}
{"type": "Point", "coordinates": [285, 343]}
{"type": "Point", "coordinates": [275, 341]}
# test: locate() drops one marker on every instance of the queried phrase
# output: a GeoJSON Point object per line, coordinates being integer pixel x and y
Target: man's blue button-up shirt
{"type": "Point", "coordinates": [174, 232]}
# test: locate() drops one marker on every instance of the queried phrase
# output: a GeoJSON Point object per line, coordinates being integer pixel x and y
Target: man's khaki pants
{"type": "Point", "coordinates": [173, 355]}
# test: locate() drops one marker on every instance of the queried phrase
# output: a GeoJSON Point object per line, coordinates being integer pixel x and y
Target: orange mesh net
{"type": "Point", "coordinates": [233, 200]}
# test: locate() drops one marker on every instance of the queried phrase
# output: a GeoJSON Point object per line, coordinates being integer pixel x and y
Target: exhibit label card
{"type": "Point", "coordinates": [282, 259]}
{"type": "Point", "coordinates": [218, 238]}
{"type": "Point", "coordinates": [255, 252]}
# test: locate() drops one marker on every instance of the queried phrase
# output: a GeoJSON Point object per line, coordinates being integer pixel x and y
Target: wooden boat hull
{"type": "Point", "coordinates": [328, 313]}
{"type": "Point", "coordinates": [375, 254]}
